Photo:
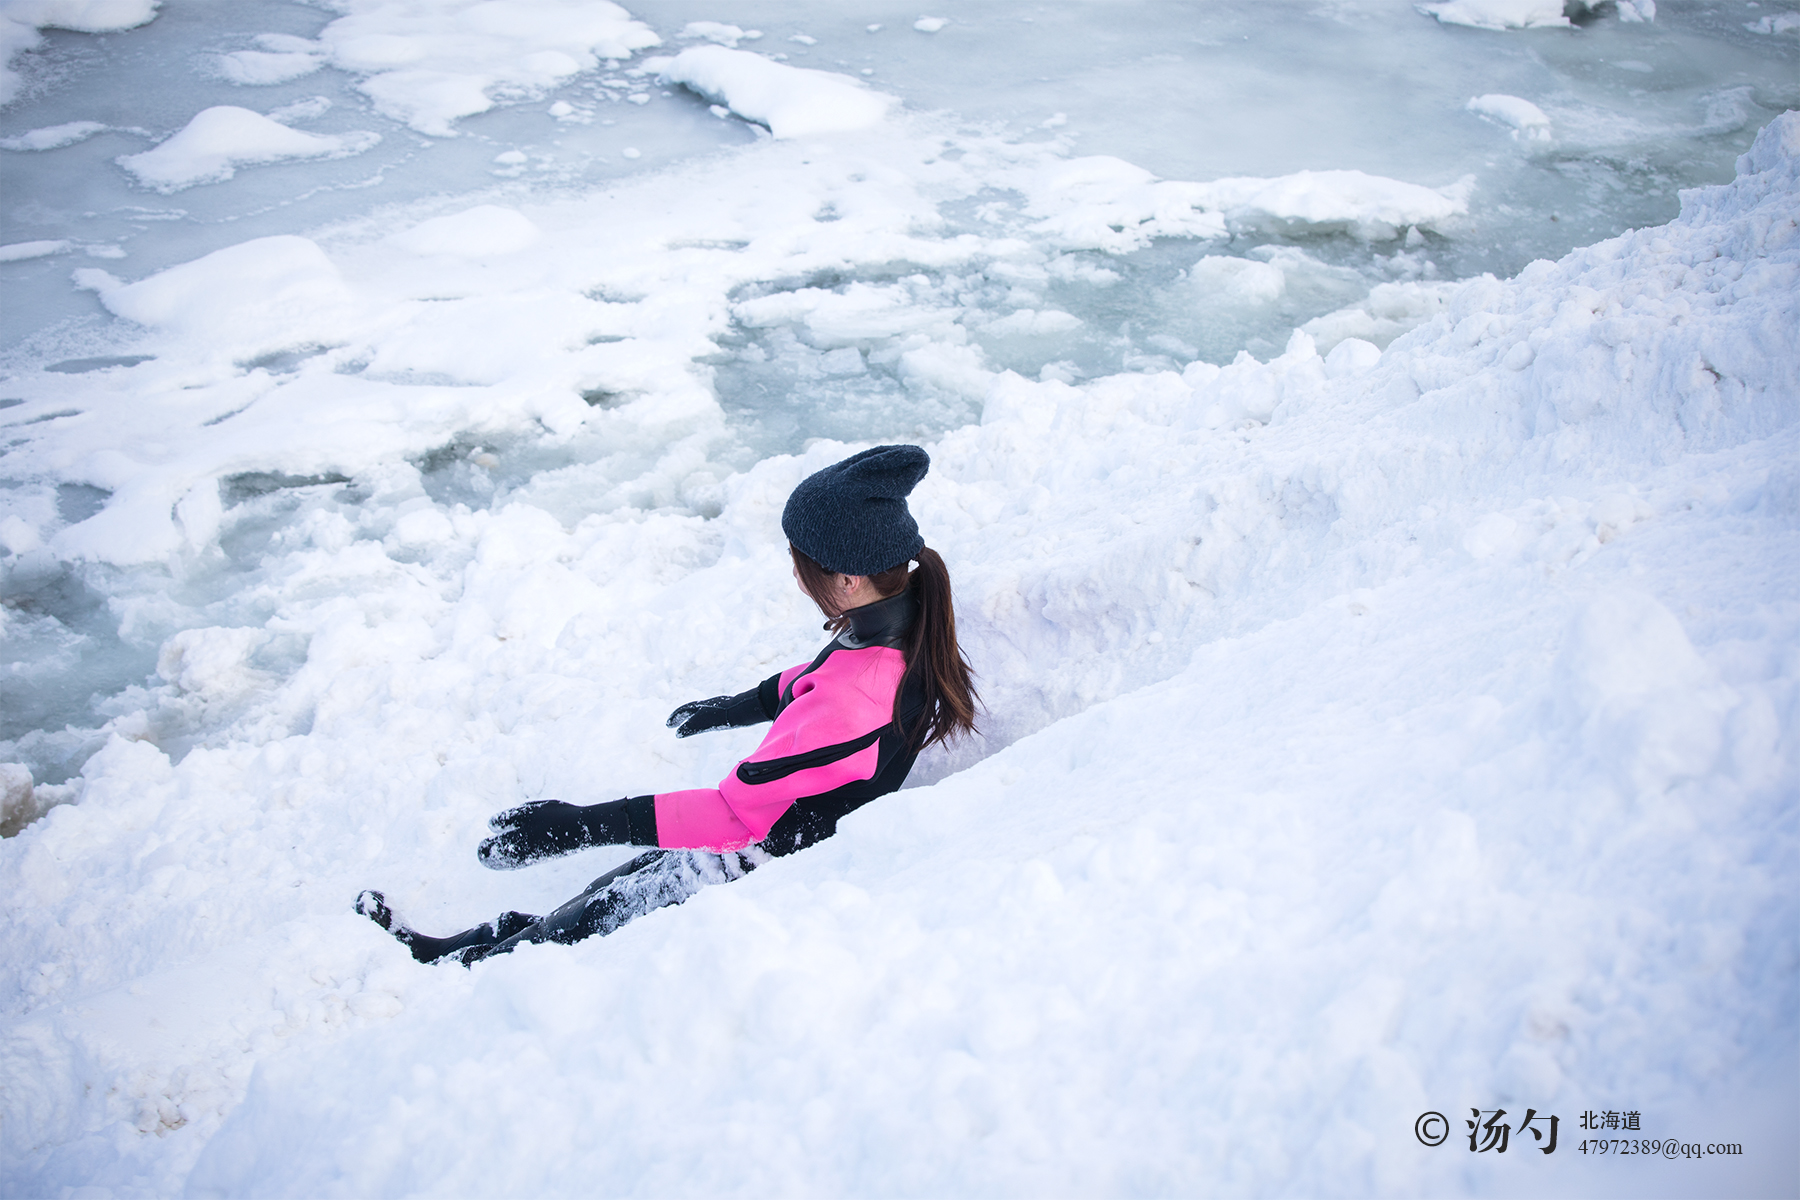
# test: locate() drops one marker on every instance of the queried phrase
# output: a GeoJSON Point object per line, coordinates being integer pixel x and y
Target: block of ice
{"type": "Point", "coordinates": [1526, 119]}
{"type": "Point", "coordinates": [17, 251]}
{"type": "Point", "coordinates": [718, 32]}
{"type": "Point", "coordinates": [1389, 310]}
{"type": "Point", "coordinates": [791, 101]}
{"type": "Point", "coordinates": [1497, 14]}
{"type": "Point", "coordinates": [212, 146]}
{"type": "Point", "coordinates": [260, 67]}
{"type": "Point", "coordinates": [1105, 203]}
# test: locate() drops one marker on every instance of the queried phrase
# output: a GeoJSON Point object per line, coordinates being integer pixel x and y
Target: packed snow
{"type": "Point", "coordinates": [1390, 674]}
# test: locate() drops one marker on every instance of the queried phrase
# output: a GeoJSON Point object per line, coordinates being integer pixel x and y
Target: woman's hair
{"type": "Point", "coordinates": [932, 656]}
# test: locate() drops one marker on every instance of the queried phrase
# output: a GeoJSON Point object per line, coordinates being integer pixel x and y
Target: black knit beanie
{"type": "Point", "coordinates": [852, 518]}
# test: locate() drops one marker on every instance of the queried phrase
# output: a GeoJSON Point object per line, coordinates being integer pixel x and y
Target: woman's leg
{"type": "Point", "coordinates": [427, 949]}
{"type": "Point", "coordinates": [643, 885]}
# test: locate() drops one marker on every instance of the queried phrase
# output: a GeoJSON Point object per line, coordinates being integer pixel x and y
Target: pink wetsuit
{"type": "Point", "coordinates": [834, 745]}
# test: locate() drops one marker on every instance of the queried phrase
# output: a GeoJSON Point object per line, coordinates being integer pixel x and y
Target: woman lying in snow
{"type": "Point", "coordinates": [847, 726]}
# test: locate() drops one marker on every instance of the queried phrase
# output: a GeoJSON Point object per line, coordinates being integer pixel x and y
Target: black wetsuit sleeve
{"type": "Point", "coordinates": [761, 703]}
{"type": "Point", "coordinates": [640, 820]}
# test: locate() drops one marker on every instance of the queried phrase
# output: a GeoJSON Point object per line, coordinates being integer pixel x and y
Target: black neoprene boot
{"type": "Point", "coordinates": [469, 946]}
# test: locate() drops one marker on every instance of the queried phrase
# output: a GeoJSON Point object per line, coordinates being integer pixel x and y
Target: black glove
{"type": "Point", "coordinates": [548, 828]}
{"type": "Point", "coordinates": [727, 712]}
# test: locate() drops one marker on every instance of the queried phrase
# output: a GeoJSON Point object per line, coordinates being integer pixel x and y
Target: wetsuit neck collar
{"type": "Point", "coordinates": [883, 623]}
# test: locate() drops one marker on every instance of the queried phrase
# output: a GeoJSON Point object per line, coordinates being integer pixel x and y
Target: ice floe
{"type": "Point", "coordinates": [791, 101]}
{"type": "Point", "coordinates": [211, 147]}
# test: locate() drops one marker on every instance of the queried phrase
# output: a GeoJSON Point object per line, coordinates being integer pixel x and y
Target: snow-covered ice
{"type": "Point", "coordinates": [1391, 682]}
{"type": "Point", "coordinates": [54, 137]}
{"type": "Point", "coordinates": [212, 146]}
{"type": "Point", "coordinates": [791, 101]}
{"type": "Point", "coordinates": [430, 66]}
{"type": "Point", "coordinates": [1527, 119]}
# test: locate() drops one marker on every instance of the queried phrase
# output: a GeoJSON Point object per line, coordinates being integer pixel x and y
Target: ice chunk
{"type": "Point", "coordinates": [53, 137]}
{"type": "Point", "coordinates": [260, 67]}
{"type": "Point", "coordinates": [791, 101]}
{"type": "Point", "coordinates": [1527, 120]}
{"type": "Point", "coordinates": [930, 24]}
{"type": "Point", "coordinates": [212, 146]}
{"type": "Point", "coordinates": [211, 663]}
{"type": "Point", "coordinates": [1033, 323]}
{"type": "Point", "coordinates": [1242, 280]}
{"type": "Point", "coordinates": [18, 251]}
{"type": "Point", "coordinates": [1786, 22]}
{"type": "Point", "coordinates": [18, 807]}
{"type": "Point", "coordinates": [1104, 203]}
{"type": "Point", "coordinates": [1497, 14]}
{"type": "Point", "coordinates": [718, 32]}
{"type": "Point", "coordinates": [1352, 356]}
{"type": "Point", "coordinates": [1389, 310]}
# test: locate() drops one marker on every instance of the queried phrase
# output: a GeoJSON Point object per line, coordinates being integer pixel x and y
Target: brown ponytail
{"type": "Point", "coordinates": [934, 661]}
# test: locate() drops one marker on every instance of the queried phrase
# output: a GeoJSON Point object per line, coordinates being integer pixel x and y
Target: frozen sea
{"type": "Point", "coordinates": [1364, 441]}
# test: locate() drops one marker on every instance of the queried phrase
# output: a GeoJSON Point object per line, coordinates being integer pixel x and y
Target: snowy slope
{"type": "Point", "coordinates": [1370, 734]}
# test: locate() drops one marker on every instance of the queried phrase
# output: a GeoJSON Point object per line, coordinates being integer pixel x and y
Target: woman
{"type": "Point", "coordinates": [847, 726]}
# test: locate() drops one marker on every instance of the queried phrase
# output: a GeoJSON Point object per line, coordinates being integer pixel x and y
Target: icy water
{"type": "Point", "coordinates": [989, 263]}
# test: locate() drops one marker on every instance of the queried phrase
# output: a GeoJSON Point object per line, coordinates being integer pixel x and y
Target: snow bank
{"type": "Point", "coordinates": [211, 147]}
{"type": "Point", "coordinates": [429, 67]}
{"type": "Point", "coordinates": [791, 101]}
{"type": "Point", "coordinates": [20, 21]}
